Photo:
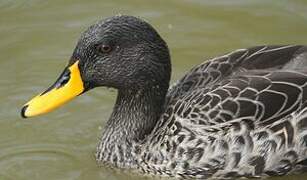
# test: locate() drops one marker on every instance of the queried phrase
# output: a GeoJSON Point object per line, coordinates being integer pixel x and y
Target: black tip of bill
{"type": "Point", "coordinates": [23, 111]}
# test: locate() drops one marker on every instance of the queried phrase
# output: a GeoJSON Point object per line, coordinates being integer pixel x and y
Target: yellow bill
{"type": "Point", "coordinates": [68, 86]}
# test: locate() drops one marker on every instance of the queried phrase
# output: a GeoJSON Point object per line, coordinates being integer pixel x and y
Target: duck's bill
{"type": "Point", "coordinates": [67, 86]}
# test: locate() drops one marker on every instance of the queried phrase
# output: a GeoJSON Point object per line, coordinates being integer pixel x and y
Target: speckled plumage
{"type": "Point", "coordinates": [238, 115]}
{"type": "Point", "coordinates": [243, 114]}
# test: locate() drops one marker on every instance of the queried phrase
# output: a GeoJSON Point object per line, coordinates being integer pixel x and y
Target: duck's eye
{"type": "Point", "coordinates": [104, 48]}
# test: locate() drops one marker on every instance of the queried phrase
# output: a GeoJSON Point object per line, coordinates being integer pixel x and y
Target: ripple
{"type": "Point", "coordinates": [12, 4]}
{"type": "Point", "coordinates": [37, 160]}
{"type": "Point", "coordinates": [36, 149]}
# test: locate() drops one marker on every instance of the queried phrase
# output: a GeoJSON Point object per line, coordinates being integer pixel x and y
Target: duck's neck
{"type": "Point", "coordinates": [133, 118]}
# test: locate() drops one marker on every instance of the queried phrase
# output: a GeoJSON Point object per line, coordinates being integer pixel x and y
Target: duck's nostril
{"type": "Point", "coordinates": [23, 111]}
{"type": "Point", "coordinates": [61, 81]}
{"type": "Point", "coordinates": [64, 80]}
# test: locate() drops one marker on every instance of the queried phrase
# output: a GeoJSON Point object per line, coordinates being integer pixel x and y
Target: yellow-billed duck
{"type": "Point", "coordinates": [242, 114]}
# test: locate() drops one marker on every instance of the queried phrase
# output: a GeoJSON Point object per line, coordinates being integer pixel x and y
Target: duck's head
{"type": "Point", "coordinates": [122, 52]}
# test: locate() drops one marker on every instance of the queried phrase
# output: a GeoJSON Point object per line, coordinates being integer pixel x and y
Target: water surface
{"type": "Point", "coordinates": [37, 38]}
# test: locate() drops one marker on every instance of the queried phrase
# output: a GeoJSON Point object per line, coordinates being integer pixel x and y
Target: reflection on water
{"type": "Point", "coordinates": [37, 38]}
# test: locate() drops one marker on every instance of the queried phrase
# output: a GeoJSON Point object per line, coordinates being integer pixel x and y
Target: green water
{"type": "Point", "coordinates": [37, 38]}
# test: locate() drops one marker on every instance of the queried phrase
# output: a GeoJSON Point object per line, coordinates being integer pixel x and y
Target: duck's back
{"type": "Point", "coordinates": [241, 114]}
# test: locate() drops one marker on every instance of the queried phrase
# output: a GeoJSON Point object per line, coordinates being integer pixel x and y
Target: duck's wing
{"type": "Point", "coordinates": [242, 113]}
{"type": "Point", "coordinates": [264, 83]}
{"type": "Point", "coordinates": [256, 58]}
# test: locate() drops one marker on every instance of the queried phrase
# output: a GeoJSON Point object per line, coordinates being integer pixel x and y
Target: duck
{"type": "Point", "coordinates": [242, 114]}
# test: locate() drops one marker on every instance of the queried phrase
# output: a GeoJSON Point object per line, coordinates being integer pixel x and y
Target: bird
{"type": "Point", "coordinates": [241, 114]}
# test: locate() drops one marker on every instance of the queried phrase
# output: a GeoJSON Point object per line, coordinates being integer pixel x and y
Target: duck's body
{"type": "Point", "coordinates": [243, 114]}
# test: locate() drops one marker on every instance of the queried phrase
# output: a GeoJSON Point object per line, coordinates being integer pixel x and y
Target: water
{"type": "Point", "coordinates": [37, 38]}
